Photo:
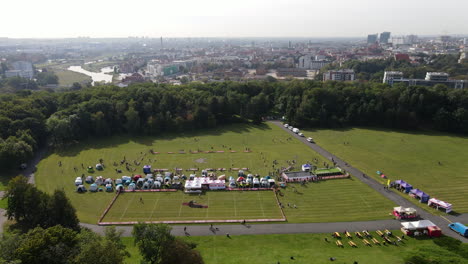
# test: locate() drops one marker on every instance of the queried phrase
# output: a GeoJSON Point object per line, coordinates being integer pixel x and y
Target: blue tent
{"type": "Point", "coordinates": [147, 169]}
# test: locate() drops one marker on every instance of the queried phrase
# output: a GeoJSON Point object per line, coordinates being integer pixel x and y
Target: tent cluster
{"type": "Point", "coordinates": [421, 196]}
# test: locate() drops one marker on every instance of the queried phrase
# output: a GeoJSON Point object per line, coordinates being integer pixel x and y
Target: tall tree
{"type": "Point", "coordinates": [158, 246]}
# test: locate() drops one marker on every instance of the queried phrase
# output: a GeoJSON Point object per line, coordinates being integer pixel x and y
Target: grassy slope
{"type": "Point", "coordinates": [168, 206]}
{"type": "Point", "coordinates": [67, 78]}
{"type": "Point", "coordinates": [306, 248]}
{"type": "Point", "coordinates": [267, 143]}
{"type": "Point", "coordinates": [412, 157]}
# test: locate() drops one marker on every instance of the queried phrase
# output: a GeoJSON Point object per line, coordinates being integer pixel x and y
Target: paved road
{"type": "Point", "coordinates": [391, 195]}
{"type": "Point", "coordinates": [260, 229]}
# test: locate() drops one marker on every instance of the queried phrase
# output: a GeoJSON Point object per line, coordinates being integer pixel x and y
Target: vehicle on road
{"type": "Point", "coordinates": [300, 134]}
{"type": "Point", "coordinates": [286, 125]}
{"type": "Point", "coordinates": [311, 140]}
{"type": "Point", "coordinates": [290, 127]}
{"type": "Point", "coordinates": [459, 228]}
{"type": "Point", "coordinates": [295, 130]}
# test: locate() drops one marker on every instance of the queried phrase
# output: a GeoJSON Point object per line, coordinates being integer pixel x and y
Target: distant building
{"type": "Point", "coordinates": [372, 39]}
{"type": "Point", "coordinates": [339, 75]}
{"type": "Point", "coordinates": [156, 70]}
{"type": "Point", "coordinates": [437, 76]}
{"type": "Point", "coordinates": [432, 79]}
{"type": "Point", "coordinates": [390, 76]}
{"type": "Point", "coordinates": [22, 69]}
{"type": "Point", "coordinates": [401, 56]}
{"type": "Point", "coordinates": [312, 63]}
{"type": "Point", "coordinates": [294, 72]}
{"type": "Point", "coordinates": [384, 37]}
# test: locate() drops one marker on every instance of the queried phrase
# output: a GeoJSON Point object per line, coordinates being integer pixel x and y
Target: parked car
{"type": "Point", "coordinates": [300, 134]}
{"type": "Point", "coordinates": [459, 228]}
{"type": "Point", "coordinates": [295, 130]}
{"type": "Point", "coordinates": [290, 127]}
{"type": "Point", "coordinates": [311, 140]}
{"type": "Point", "coordinates": [286, 125]}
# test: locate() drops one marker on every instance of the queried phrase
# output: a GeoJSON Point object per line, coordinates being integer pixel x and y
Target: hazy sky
{"type": "Point", "coordinates": [230, 18]}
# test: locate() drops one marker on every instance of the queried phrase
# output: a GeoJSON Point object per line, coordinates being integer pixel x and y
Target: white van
{"type": "Point", "coordinates": [286, 125]}
{"type": "Point", "coordinates": [295, 130]}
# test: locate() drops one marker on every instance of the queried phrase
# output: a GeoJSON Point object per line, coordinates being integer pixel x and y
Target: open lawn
{"type": "Point", "coordinates": [222, 205]}
{"type": "Point", "coordinates": [334, 201]}
{"type": "Point", "coordinates": [305, 248]}
{"type": "Point", "coordinates": [267, 143]}
{"type": "Point", "coordinates": [413, 157]}
{"type": "Point", "coordinates": [67, 78]}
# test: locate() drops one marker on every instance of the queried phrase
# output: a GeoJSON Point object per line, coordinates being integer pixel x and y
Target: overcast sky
{"type": "Point", "coordinates": [230, 18]}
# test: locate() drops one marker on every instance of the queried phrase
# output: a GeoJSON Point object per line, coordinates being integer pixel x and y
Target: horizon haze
{"type": "Point", "coordinates": [242, 18]}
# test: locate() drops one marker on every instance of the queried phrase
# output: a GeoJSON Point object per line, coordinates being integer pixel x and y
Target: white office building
{"type": "Point", "coordinates": [339, 75]}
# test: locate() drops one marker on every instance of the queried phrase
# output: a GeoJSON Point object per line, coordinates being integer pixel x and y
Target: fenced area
{"type": "Point", "coordinates": [171, 207]}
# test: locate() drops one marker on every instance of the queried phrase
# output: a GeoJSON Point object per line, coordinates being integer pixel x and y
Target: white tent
{"type": "Point", "coordinates": [417, 224]}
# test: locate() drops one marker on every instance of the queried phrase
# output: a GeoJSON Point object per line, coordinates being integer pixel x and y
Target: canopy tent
{"type": "Point", "coordinates": [99, 166]}
{"type": "Point", "coordinates": [132, 186]}
{"type": "Point", "coordinates": [147, 169]}
{"type": "Point", "coordinates": [93, 187]}
{"type": "Point", "coordinates": [157, 185]}
{"type": "Point", "coordinates": [89, 179]}
{"type": "Point", "coordinates": [240, 179]}
{"type": "Point", "coordinates": [404, 213]}
{"type": "Point", "coordinates": [81, 189]}
{"type": "Point", "coordinates": [433, 202]}
{"type": "Point", "coordinates": [306, 167]}
{"type": "Point", "coordinates": [90, 169]}
{"type": "Point", "coordinates": [119, 187]}
{"type": "Point", "coordinates": [406, 186]}
{"type": "Point", "coordinates": [197, 183]}
{"type": "Point", "coordinates": [109, 188]}
{"type": "Point", "coordinates": [423, 224]}
{"type": "Point", "coordinates": [424, 197]}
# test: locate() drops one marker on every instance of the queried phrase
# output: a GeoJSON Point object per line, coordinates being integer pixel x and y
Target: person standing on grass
{"type": "Point", "coordinates": [185, 229]}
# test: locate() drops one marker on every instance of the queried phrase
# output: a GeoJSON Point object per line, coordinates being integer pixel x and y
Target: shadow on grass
{"type": "Point", "coordinates": [116, 140]}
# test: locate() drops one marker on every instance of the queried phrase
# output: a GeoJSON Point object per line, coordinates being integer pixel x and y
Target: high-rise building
{"type": "Point", "coordinates": [372, 38]}
{"type": "Point", "coordinates": [384, 37]}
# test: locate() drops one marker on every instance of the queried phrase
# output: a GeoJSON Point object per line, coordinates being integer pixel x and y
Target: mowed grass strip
{"type": "Point", "coordinates": [222, 205]}
{"type": "Point", "coordinates": [413, 157]}
{"type": "Point", "coordinates": [305, 248]}
{"type": "Point", "coordinates": [335, 200]}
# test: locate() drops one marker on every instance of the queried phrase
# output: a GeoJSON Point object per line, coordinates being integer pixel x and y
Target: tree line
{"type": "Point", "coordinates": [28, 119]}
{"type": "Point", "coordinates": [45, 229]}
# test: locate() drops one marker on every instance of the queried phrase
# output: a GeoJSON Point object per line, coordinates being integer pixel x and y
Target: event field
{"type": "Point", "coordinates": [167, 206]}
{"type": "Point", "coordinates": [267, 143]}
{"type": "Point", "coordinates": [413, 157]}
{"type": "Point", "coordinates": [306, 248]}
{"type": "Point", "coordinates": [334, 201]}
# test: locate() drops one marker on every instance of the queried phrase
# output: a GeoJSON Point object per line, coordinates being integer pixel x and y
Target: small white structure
{"type": "Point", "coordinates": [78, 181]}
{"type": "Point", "coordinates": [93, 187]}
{"type": "Point", "coordinates": [200, 183]}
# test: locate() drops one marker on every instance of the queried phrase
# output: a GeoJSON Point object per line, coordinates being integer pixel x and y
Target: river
{"type": "Point", "coordinates": [102, 76]}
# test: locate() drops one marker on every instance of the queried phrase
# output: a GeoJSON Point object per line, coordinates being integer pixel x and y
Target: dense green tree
{"type": "Point", "coordinates": [60, 211]}
{"type": "Point", "coordinates": [158, 246]}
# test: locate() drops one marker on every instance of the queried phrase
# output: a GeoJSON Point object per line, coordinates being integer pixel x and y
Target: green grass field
{"type": "Point", "coordinates": [334, 201]}
{"type": "Point", "coordinates": [306, 248]}
{"type": "Point", "coordinates": [222, 205]}
{"type": "Point", "coordinates": [412, 157]}
{"type": "Point", "coordinates": [67, 78]}
{"type": "Point", "coordinates": [267, 142]}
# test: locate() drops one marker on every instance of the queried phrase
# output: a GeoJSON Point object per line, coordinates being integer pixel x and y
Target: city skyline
{"type": "Point", "coordinates": [209, 18]}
